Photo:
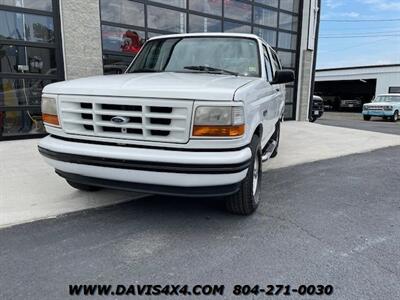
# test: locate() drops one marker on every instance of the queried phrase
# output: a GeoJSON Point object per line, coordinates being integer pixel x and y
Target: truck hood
{"type": "Point", "coordinates": [379, 104]}
{"type": "Point", "coordinates": [158, 85]}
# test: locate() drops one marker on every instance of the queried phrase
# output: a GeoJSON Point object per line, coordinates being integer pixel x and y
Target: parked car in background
{"type": "Point", "coordinates": [317, 108]}
{"type": "Point", "coordinates": [386, 106]}
{"type": "Point", "coordinates": [350, 104]}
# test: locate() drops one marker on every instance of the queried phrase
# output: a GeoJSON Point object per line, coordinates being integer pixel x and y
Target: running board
{"type": "Point", "coordinates": [268, 151]}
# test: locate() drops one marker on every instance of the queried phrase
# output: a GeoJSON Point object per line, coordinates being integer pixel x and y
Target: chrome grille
{"type": "Point", "coordinates": [144, 119]}
{"type": "Point", "coordinates": [376, 107]}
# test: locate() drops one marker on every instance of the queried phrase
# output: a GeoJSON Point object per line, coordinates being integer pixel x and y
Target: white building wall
{"type": "Point", "coordinates": [386, 76]}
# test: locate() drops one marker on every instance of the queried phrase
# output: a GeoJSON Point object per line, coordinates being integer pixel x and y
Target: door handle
{"type": "Point", "coordinates": [278, 90]}
{"type": "Point", "coordinates": [265, 112]}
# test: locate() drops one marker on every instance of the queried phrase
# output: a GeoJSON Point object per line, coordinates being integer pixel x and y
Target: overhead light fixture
{"type": "Point", "coordinates": [362, 80]}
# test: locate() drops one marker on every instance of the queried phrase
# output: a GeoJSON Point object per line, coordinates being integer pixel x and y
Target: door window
{"type": "Point", "coordinates": [268, 66]}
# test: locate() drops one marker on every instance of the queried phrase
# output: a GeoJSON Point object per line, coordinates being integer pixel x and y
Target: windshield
{"type": "Point", "coordinates": [387, 99]}
{"type": "Point", "coordinates": [216, 55]}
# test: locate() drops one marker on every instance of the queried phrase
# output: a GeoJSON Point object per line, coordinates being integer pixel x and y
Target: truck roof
{"type": "Point", "coordinates": [211, 34]}
{"type": "Point", "coordinates": [394, 94]}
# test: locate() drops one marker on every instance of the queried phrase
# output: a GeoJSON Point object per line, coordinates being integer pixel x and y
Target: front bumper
{"type": "Point", "coordinates": [147, 170]}
{"type": "Point", "coordinates": [378, 113]}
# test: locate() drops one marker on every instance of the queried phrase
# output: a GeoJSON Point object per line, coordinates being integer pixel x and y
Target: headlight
{"type": "Point", "coordinates": [49, 111]}
{"type": "Point", "coordinates": [219, 121]}
{"type": "Point", "coordinates": [387, 107]}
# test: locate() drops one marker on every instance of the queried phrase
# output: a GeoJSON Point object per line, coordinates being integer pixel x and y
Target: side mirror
{"type": "Point", "coordinates": [283, 76]}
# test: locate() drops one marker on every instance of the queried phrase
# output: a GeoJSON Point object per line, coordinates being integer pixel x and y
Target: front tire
{"type": "Point", "coordinates": [83, 187]}
{"type": "Point", "coordinates": [395, 116]}
{"type": "Point", "coordinates": [367, 118]}
{"type": "Point", "coordinates": [247, 199]}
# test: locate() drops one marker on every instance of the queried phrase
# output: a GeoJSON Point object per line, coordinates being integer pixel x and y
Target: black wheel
{"type": "Point", "coordinates": [313, 119]}
{"type": "Point", "coordinates": [367, 118]}
{"type": "Point", "coordinates": [83, 187]}
{"type": "Point", "coordinates": [395, 116]}
{"type": "Point", "coordinates": [246, 201]}
{"type": "Point", "coordinates": [277, 137]}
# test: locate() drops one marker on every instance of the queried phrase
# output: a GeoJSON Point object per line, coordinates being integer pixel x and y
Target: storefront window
{"type": "Point", "coordinates": [236, 27]}
{"type": "Point", "coordinates": [268, 35]}
{"type": "Point", "coordinates": [238, 10]}
{"type": "Point", "coordinates": [115, 64]}
{"type": "Point", "coordinates": [21, 59]}
{"type": "Point", "coordinates": [121, 39]}
{"type": "Point", "coordinates": [30, 59]}
{"type": "Point", "coordinates": [265, 16]}
{"type": "Point", "coordinates": [203, 24]}
{"type": "Point", "coordinates": [45, 5]}
{"type": "Point", "coordinates": [177, 3]}
{"type": "Point", "coordinates": [290, 5]}
{"type": "Point", "coordinates": [288, 59]}
{"type": "Point", "coordinates": [212, 7]}
{"type": "Point", "coordinates": [26, 27]}
{"type": "Point", "coordinates": [166, 19]}
{"type": "Point", "coordinates": [276, 21]}
{"type": "Point", "coordinates": [287, 40]}
{"type": "Point", "coordinates": [122, 11]}
{"type": "Point", "coordinates": [273, 3]}
{"type": "Point", "coordinates": [288, 22]}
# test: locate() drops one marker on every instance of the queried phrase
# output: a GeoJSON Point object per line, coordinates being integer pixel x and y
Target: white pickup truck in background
{"type": "Point", "coordinates": [194, 114]}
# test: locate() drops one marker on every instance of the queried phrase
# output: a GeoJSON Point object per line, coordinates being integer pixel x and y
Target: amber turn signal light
{"type": "Point", "coordinates": [215, 131]}
{"type": "Point", "coordinates": [50, 119]}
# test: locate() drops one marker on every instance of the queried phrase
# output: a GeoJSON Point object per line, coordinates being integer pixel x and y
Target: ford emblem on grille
{"type": "Point", "coordinates": [120, 120]}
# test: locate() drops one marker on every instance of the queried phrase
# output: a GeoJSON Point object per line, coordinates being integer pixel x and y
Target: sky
{"type": "Point", "coordinates": [359, 42]}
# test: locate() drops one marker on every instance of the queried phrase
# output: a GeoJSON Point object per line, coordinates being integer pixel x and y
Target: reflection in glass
{"type": "Point", "coordinates": [32, 4]}
{"type": "Point", "coordinates": [288, 22]}
{"type": "Point", "coordinates": [115, 64]}
{"type": "Point", "coordinates": [265, 16]}
{"type": "Point", "coordinates": [26, 27]}
{"type": "Point", "coordinates": [288, 59]}
{"type": "Point", "coordinates": [288, 111]}
{"type": "Point", "coordinates": [166, 19]}
{"type": "Point", "coordinates": [289, 95]}
{"type": "Point", "coordinates": [212, 7]}
{"type": "Point", "coordinates": [273, 3]}
{"type": "Point", "coordinates": [20, 59]}
{"type": "Point", "coordinates": [236, 27]}
{"type": "Point", "coordinates": [22, 122]}
{"type": "Point", "coordinates": [268, 35]}
{"type": "Point", "coordinates": [238, 10]}
{"type": "Point", "coordinates": [290, 5]}
{"type": "Point", "coordinates": [122, 39]}
{"type": "Point", "coordinates": [203, 24]}
{"type": "Point", "coordinates": [125, 12]}
{"type": "Point", "coordinates": [287, 40]}
{"type": "Point", "coordinates": [20, 92]}
{"type": "Point", "coordinates": [177, 3]}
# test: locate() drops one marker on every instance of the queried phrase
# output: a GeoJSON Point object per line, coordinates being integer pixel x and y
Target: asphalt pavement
{"type": "Point", "coordinates": [331, 222]}
{"type": "Point", "coordinates": [355, 121]}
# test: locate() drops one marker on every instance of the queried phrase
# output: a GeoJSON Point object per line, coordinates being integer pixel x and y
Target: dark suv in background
{"type": "Point", "coordinates": [317, 108]}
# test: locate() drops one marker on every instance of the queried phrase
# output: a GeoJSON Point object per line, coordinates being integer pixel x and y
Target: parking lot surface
{"type": "Point", "coordinates": [329, 222]}
{"type": "Point", "coordinates": [355, 121]}
{"type": "Point", "coordinates": [30, 190]}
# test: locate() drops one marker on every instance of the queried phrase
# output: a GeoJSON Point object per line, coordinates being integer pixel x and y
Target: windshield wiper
{"type": "Point", "coordinates": [210, 70]}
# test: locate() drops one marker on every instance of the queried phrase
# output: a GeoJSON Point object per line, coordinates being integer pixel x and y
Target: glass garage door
{"type": "Point", "coordinates": [126, 24]}
{"type": "Point", "coordinates": [30, 58]}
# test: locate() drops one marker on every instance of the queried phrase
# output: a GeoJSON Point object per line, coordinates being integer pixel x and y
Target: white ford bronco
{"type": "Point", "coordinates": [194, 114]}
